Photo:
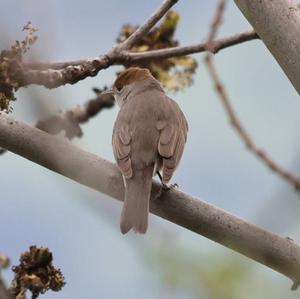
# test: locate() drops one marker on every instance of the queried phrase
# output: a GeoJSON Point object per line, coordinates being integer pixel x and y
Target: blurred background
{"type": "Point", "coordinates": [81, 226]}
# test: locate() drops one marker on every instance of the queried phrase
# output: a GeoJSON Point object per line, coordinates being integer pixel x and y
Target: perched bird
{"type": "Point", "coordinates": [148, 136]}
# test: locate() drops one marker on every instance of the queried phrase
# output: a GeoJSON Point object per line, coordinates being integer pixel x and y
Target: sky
{"type": "Point", "coordinates": [80, 225]}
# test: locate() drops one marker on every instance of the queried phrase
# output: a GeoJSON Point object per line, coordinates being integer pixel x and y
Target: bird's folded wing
{"type": "Point", "coordinates": [171, 142]}
{"type": "Point", "coordinates": [121, 145]}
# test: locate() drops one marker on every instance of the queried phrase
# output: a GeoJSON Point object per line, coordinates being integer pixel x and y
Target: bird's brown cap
{"type": "Point", "coordinates": [130, 75]}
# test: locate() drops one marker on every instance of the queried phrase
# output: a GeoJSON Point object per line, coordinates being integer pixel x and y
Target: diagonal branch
{"type": "Point", "coordinates": [70, 120]}
{"type": "Point", "coordinates": [278, 253]}
{"type": "Point", "coordinates": [234, 120]}
{"type": "Point", "coordinates": [146, 27]}
{"type": "Point", "coordinates": [245, 136]}
{"type": "Point", "coordinates": [216, 22]}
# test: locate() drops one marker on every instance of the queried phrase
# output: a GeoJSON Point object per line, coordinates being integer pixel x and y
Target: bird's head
{"type": "Point", "coordinates": [127, 81]}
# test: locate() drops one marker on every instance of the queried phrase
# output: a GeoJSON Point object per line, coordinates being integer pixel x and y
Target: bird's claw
{"type": "Point", "coordinates": [165, 187]}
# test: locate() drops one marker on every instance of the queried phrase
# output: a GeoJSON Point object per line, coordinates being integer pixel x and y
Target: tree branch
{"type": "Point", "coordinates": [216, 46]}
{"type": "Point", "coordinates": [145, 28]}
{"type": "Point", "coordinates": [69, 121]}
{"type": "Point", "coordinates": [245, 136]}
{"type": "Point", "coordinates": [216, 22]}
{"type": "Point", "coordinates": [234, 120]}
{"type": "Point", "coordinates": [53, 75]}
{"type": "Point", "coordinates": [278, 253]}
{"type": "Point", "coordinates": [62, 73]}
{"type": "Point", "coordinates": [90, 68]}
{"type": "Point", "coordinates": [277, 23]}
{"type": "Point", "coordinates": [131, 57]}
{"type": "Point", "coordinates": [53, 78]}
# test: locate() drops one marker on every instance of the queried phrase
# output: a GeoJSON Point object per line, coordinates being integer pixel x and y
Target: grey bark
{"type": "Point", "coordinates": [278, 253]}
{"type": "Point", "coordinates": [278, 25]}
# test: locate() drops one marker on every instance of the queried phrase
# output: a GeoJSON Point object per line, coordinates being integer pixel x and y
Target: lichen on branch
{"type": "Point", "coordinates": [11, 69]}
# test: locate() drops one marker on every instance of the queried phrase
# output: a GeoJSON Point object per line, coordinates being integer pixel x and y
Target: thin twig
{"type": "Point", "coordinates": [234, 120]}
{"type": "Point", "coordinates": [216, 22]}
{"type": "Point", "coordinates": [56, 154]}
{"type": "Point", "coordinates": [134, 38]}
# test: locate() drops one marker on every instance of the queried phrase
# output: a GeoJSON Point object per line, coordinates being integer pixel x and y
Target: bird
{"type": "Point", "coordinates": [149, 136]}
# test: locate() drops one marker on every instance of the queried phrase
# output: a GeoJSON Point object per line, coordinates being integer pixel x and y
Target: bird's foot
{"type": "Point", "coordinates": [165, 188]}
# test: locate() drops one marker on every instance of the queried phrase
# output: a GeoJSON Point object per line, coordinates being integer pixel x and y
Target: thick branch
{"type": "Point", "coordinates": [277, 23]}
{"type": "Point", "coordinates": [276, 252]}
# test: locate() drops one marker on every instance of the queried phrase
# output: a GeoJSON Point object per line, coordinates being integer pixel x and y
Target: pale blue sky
{"type": "Point", "coordinates": [80, 225]}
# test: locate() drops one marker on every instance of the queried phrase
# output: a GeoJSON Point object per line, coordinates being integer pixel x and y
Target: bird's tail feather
{"type": "Point", "coordinates": [136, 204]}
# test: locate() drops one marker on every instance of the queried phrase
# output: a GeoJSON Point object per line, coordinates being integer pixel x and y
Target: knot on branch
{"type": "Point", "coordinates": [36, 273]}
{"type": "Point", "coordinates": [53, 78]}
